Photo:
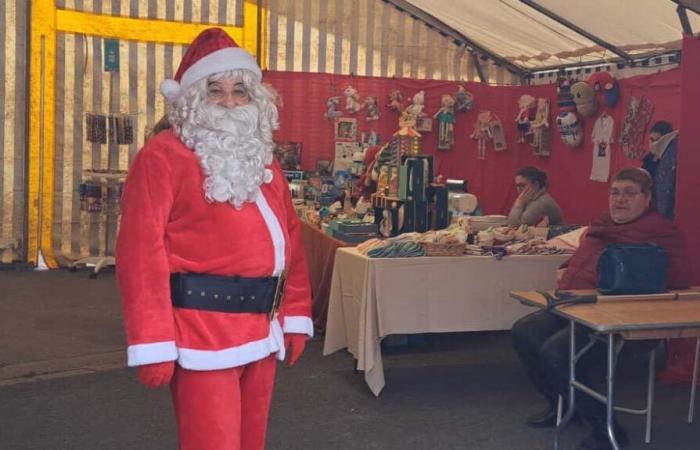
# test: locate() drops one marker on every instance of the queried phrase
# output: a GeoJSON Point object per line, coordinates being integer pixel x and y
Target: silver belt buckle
{"type": "Point", "coordinates": [279, 293]}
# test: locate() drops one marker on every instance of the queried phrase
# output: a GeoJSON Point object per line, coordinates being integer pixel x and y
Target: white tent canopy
{"type": "Point", "coordinates": [544, 34]}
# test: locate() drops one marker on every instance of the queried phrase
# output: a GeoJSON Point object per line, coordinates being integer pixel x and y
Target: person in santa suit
{"type": "Point", "coordinates": [208, 237]}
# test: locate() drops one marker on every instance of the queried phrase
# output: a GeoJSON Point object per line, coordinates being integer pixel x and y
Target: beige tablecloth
{"type": "Point", "coordinates": [372, 298]}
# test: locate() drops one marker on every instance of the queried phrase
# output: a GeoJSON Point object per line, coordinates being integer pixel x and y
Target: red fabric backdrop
{"type": "Point", "coordinates": [688, 182]}
{"type": "Point", "coordinates": [304, 98]}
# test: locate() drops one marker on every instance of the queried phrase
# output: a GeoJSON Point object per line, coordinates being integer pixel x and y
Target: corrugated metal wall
{"type": "Point", "coordinates": [366, 37]}
{"type": "Point", "coordinates": [84, 87]}
{"type": "Point", "coordinates": [13, 110]}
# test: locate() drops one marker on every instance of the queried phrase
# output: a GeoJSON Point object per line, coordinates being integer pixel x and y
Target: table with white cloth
{"type": "Point", "coordinates": [371, 298]}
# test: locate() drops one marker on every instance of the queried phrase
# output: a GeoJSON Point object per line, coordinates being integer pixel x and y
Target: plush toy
{"type": "Point", "coordinates": [446, 120]}
{"type": "Point", "coordinates": [416, 107]}
{"type": "Point", "coordinates": [570, 129]}
{"type": "Point", "coordinates": [395, 101]}
{"type": "Point", "coordinates": [352, 100]}
{"type": "Point", "coordinates": [464, 101]}
{"type": "Point", "coordinates": [584, 97]}
{"type": "Point", "coordinates": [605, 85]}
{"type": "Point", "coordinates": [540, 128]}
{"type": "Point", "coordinates": [331, 108]}
{"type": "Point", "coordinates": [372, 108]}
{"type": "Point", "coordinates": [413, 111]}
{"type": "Point", "coordinates": [527, 105]}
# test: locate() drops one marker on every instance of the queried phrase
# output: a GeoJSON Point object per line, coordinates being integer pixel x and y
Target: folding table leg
{"type": "Point", "coordinates": [650, 393]}
{"type": "Point", "coordinates": [609, 401]}
{"type": "Point", "coordinates": [572, 391]}
{"type": "Point", "coordinates": [694, 381]}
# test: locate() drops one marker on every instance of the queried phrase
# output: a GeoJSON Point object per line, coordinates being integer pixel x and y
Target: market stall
{"type": "Point", "coordinates": [372, 298]}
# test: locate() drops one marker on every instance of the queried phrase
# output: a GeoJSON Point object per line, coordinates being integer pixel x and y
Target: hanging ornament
{"type": "Point", "coordinates": [446, 120]}
{"type": "Point", "coordinates": [464, 100]}
{"type": "Point", "coordinates": [352, 100]}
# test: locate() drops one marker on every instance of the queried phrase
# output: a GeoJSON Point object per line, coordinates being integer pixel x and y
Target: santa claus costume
{"type": "Point", "coordinates": [208, 233]}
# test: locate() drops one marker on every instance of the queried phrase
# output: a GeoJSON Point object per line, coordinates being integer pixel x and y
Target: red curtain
{"type": "Point", "coordinates": [302, 119]}
{"type": "Point", "coordinates": [688, 182]}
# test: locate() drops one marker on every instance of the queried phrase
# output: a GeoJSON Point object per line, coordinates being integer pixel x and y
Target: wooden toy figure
{"type": "Point", "coordinates": [482, 133]}
{"type": "Point", "coordinates": [446, 120]}
{"type": "Point", "coordinates": [540, 128]}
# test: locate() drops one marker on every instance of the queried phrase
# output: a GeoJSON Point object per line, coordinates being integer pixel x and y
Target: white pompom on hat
{"type": "Point", "coordinates": [212, 51]}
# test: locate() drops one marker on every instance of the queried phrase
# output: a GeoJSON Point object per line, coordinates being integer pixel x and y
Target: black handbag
{"type": "Point", "coordinates": [632, 269]}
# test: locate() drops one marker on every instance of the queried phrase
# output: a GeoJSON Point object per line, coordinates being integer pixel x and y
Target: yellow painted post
{"type": "Point", "coordinates": [41, 131]}
{"type": "Point", "coordinates": [46, 22]}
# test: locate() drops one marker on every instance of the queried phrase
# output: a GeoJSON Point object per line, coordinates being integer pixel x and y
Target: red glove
{"type": "Point", "coordinates": [156, 375]}
{"type": "Point", "coordinates": [294, 343]}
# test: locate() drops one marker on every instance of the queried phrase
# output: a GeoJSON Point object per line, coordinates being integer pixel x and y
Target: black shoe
{"type": "Point", "coordinates": [544, 419]}
{"type": "Point", "coordinates": [598, 439]}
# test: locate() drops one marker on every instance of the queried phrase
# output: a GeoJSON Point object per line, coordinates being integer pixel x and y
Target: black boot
{"type": "Point", "coordinates": [544, 419]}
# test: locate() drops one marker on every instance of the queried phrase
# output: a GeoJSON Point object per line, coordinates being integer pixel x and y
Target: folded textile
{"type": "Point", "coordinates": [397, 250]}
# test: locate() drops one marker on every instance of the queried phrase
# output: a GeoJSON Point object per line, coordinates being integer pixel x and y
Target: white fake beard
{"type": "Point", "coordinates": [232, 153]}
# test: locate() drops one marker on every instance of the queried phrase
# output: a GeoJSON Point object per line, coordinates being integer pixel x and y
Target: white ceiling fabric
{"type": "Point", "coordinates": [527, 38]}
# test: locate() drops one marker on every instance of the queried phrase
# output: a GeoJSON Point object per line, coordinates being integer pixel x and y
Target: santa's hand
{"type": "Point", "coordinates": [294, 343]}
{"type": "Point", "coordinates": [156, 375]}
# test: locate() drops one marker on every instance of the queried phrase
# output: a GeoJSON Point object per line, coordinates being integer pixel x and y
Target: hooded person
{"type": "Point", "coordinates": [208, 237]}
{"type": "Point", "coordinates": [661, 162]}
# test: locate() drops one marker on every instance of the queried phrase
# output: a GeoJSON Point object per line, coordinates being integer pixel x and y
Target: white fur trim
{"type": "Point", "coordinates": [298, 324]}
{"type": "Point", "coordinates": [229, 58]}
{"type": "Point", "coordinates": [273, 225]}
{"type": "Point", "coordinates": [157, 352]}
{"type": "Point", "coordinates": [170, 89]}
{"type": "Point", "coordinates": [235, 356]}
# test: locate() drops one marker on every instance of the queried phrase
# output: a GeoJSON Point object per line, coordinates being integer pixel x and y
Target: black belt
{"type": "Point", "coordinates": [226, 294]}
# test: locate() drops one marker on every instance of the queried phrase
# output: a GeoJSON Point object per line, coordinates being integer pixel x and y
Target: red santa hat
{"type": "Point", "coordinates": [211, 52]}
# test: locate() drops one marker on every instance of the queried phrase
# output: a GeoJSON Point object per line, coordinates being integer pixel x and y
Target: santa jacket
{"type": "Point", "coordinates": [167, 226]}
{"type": "Point", "coordinates": [650, 228]}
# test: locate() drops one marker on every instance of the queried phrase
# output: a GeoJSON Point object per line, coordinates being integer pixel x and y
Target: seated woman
{"type": "Point", "coordinates": [533, 204]}
{"type": "Point", "coordinates": [541, 339]}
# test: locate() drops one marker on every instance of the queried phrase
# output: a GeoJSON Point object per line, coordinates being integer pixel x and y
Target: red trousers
{"type": "Point", "coordinates": [223, 409]}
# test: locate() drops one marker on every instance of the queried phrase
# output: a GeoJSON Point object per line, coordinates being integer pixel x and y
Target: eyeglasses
{"type": "Point", "coordinates": [520, 186]}
{"type": "Point", "coordinates": [629, 194]}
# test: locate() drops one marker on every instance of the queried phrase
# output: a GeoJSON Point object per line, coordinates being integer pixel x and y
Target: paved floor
{"type": "Point", "coordinates": [63, 386]}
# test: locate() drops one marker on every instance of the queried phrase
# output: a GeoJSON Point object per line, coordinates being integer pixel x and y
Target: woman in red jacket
{"type": "Point", "coordinates": [542, 339]}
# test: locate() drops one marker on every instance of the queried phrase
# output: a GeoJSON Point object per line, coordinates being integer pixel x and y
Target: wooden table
{"type": "Point", "coordinates": [651, 317]}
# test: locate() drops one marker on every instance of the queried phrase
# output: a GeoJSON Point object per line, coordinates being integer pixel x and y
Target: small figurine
{"type": "Point", "coordinates": [482, 133]}
{"type": "Point", "coordinates": [446, 119]}
{"type": "Point", "coordinates": [331, 108]}
{"type": "Point", "coordinates": [464, 101]}
{"type": "Point", "coordinates": [526, 115]}
{"type": "Point", "coordinates": [372, 108]}
{"type": "Point", "coordinates": [540, 128]}
{"type": "Point", "coordinates": [395, 101]}
{"type": "Point", "coordinates": [413, 111]}
{"type": "Point", "coordinates": [352, 100]}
